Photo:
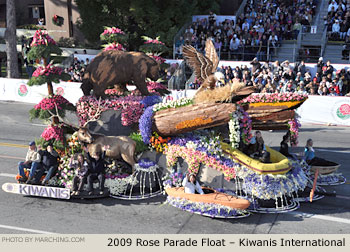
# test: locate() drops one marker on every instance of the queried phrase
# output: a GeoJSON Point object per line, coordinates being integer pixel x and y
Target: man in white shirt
{"type": "Point", "coordinates": [234, 44]}
{"type": "Point", "coordinates": [191, 185]}
{"type": "Point", "coordinates": [245, 25]}
{"type": "Point", "coordinates": [336, 30]}
{"type": "Point", "coordinates": [31, 162]}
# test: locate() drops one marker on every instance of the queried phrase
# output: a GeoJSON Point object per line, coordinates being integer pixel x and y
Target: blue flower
{"type": "Point", "coordinates": [145, 124]}
{"type": "Point", "coordinates": [150, 100]}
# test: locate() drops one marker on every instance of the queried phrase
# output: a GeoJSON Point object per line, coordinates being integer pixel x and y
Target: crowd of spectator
{"type": "Point", "coordinates": [283, 77]}
{"type": "Point", "coordinates": [77, 69]}
{"type": "Point", "coordinates": [263, 24]}
{"type": "Point", "coordinates": [338, 20]}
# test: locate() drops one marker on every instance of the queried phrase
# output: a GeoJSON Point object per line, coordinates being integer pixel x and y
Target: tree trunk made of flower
{"type": "Point", "coordinates": [11, 41]}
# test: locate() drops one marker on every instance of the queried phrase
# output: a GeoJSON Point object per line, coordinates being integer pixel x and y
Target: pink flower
{"type": "Point", "coordinates": [53, 132]}
{"type": "Point", "coordinates": [114, 46]}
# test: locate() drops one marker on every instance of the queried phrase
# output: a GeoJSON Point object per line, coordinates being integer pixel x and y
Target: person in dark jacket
{"type": "Point", "coordinates": [49, 163]}
{"type": "Point", "coordinates": [284, 145]}
{"type": "Point", "coordinates": [97, 170]}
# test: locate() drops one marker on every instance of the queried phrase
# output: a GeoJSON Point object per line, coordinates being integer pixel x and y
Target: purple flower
{"type": "Point", "coordinates": [151, 100]}
{"type": "Point", "coordinates": [145, 124]}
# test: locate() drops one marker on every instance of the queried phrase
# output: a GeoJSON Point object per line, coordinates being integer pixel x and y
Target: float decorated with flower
{"type": "Point", "coordinates": [152, 146]}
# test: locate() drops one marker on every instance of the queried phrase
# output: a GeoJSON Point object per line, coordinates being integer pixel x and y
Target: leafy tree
{"type": "Point", "coordinates": [152, 18]}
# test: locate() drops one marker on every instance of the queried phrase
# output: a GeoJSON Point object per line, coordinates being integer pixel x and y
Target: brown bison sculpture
{"type": "Point", "coordinates": [117, 68]}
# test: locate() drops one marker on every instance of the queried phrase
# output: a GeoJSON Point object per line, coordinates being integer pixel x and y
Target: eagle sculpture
{"type": "Point", "coordinates": [204, 67]}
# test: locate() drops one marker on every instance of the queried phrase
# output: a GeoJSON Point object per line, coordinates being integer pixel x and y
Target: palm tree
{"type": "Point", "coordinates": [11, 41]}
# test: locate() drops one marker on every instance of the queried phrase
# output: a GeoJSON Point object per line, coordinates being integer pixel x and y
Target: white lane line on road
{"type": "Point", "coordinates": [11, 157]}
{"type": "Point", "coordinates": [320, 217]}
{"type": "Point", "coordinates": [332, 151]}
{"type": "Point", "coordinates": [25, 229]}
{"type": "Point", "coordinates": [7, 175]}
{"type": "Point", "coordinates": [36, 124]}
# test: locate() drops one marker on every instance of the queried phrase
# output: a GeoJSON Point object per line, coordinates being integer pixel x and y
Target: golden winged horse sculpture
{"type": "Point", "coordinates": [205, 69]}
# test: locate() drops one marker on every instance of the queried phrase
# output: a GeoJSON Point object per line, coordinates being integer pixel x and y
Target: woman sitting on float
{"type": "Point", "coordinates": [257, 149]}
{"type": "Point", "coordinates": [311, 159]}
{"type": "Point", "coordinates": [191, 184]}
{"type": "Point", "coordinates": [284, 147]}
{"type": "Point", "coordinates": [82, 168]}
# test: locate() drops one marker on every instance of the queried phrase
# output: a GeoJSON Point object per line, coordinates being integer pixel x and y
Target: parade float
{"type": "Point", "coordinates": [153, 144]}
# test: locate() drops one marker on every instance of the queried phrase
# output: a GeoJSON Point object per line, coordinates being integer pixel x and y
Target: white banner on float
{"type": "Point", "coordinates": [18, 90]}
{"type": "Point", "coordinates": [328, 110]}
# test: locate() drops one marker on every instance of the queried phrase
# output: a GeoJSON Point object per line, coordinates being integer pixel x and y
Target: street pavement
{"type": "Point", "coordinates": [20, 214]}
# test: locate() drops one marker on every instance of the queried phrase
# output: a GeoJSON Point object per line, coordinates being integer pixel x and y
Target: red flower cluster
{"type": "Point", "coordinates": [48, 103]}
{"type": "Point", "coordinates": [53, 132]}
{"type": "Point", "coordinates": [46, 71]}
{"type": "Point", "coordinates": [42, 38]}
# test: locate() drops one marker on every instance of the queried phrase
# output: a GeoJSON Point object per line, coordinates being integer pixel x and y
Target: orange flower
{"type": "Point", "coordinates": [199, 121]}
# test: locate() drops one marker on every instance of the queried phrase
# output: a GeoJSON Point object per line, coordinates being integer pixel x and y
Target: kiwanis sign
{"type": "Point", "coordinates": [39, 191]}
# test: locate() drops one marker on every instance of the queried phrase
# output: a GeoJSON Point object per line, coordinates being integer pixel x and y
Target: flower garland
{"type": "Point", "coordinates": [197, 150]}
{"type": "Point", "coordinates": [273, 97]}
{"type": "Point", "coordinates": [173, 104]}
{"type": "Point", "coordinates": [145, 124]}
{"type": "Point", "coordinates": [130, 105]}
{"type": "Point", "coordinates": [234, 128]}
{"type": "Point", "coordinates": [240, 127]}
{"type": "Point", "coordinates": [294, 126]}
{"type": "Point", "coordinates": [213, 210]}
